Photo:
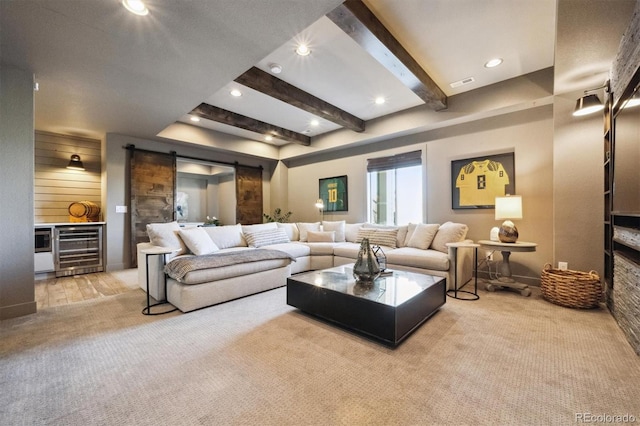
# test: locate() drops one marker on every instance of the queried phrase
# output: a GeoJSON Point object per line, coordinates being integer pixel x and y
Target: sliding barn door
{"type": "Point", "coordinates": [248, 195]}
{"type": "Point", "coordinates": [152, 189]}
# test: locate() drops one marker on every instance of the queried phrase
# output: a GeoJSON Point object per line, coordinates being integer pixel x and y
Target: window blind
{"type": "Point", "coordinates": [406, 159]}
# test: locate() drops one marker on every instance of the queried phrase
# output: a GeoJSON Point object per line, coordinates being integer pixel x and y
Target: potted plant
{"type": "Point", "coordinates": [278, 216]}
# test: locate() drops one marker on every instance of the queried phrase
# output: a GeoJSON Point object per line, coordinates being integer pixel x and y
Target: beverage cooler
{"type": "Point", "coordinates": [78, 250]}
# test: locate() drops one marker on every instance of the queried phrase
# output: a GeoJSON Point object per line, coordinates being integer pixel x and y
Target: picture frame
{"type": "Point", "coordinates": [475, 182]}
{"type": "Point", "coordinates": [334, 193]}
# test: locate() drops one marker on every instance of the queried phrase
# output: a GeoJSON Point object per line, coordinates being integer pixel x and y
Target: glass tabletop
{"type": "Point", "coordinates": [393, 289]}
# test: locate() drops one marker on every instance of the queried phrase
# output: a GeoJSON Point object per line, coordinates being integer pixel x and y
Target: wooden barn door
{"type": "Point", "coordinates": [248, 195]}
{"type": "Point", "coordinates": [152, 189]}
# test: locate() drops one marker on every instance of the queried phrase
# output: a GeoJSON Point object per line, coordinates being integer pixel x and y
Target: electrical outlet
{"type": "Point", "coordinates": [563, 266]}
{"type": "Point", "coordinates": [121, 209]}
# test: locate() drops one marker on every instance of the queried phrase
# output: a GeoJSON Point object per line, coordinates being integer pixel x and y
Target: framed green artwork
{"type": "Point", "coordinates": [334, 194]}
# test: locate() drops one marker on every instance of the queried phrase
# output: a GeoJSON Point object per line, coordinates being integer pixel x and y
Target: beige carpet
{"type": "Point", "coordinates": [502, 360]}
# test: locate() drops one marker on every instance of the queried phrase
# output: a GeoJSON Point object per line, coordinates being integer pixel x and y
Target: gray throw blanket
{"type": "Point", "coordinates": [180, 267]}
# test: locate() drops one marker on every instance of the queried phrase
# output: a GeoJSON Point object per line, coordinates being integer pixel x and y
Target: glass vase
{"type": "Point", "coordinates": [366, 268]}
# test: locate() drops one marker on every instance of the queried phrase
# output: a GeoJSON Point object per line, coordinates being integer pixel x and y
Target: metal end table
{"type": "Point", "coordinates": [464, 294]}
{"type": "Point", "coordinates": [157, 251]}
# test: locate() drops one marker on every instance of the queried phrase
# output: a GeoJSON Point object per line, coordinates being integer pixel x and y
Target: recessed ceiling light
{"type": "Point", "coordinates": [493, 63]}
{"type": "Point", "coordinates": [303, 50]}
{"type": "Point", "coordinates": [268, 138]}
{"type": "Point", "coordinates": [235, 93]}
{"type": "Point", "coordinates": [136, 6]}
{"type": "Point", "coordinates": [194, 118]}
{"type": "Point", "coordinates": [314, 123]}
{"type": "Point", "coordinates": [275, 68]}
{"type": "Point", "coordinates": [380, 100]}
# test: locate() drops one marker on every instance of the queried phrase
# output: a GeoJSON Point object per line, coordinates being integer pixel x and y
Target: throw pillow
{"type": "Point", "coordinates": [306, 227]}
{"type": "Point", "coordinates": [380, 237]}
{"type": "Point", "coordinates": [321, 237]}
{"type": "Point", "coordinates": [449, 232]}
{"type": "Point", "coordinates": [226, 236]}
{"type": "Point", "coordinates": [291, 229]}
{"type": "Point", "coordinates": [402, 231]}
{"type": "Point", "coordinates": [166, 235]}
{"type": "Point", "coordinates": [351, 231]}
{"type": "Point", "coordinates": [423, 236]}
{"type": "Point", "coordinates": [198, 241]}
{"type": "Point", "coordinates": [411, 227]}
{"type": "Point", "coordinates": [338, 227]}
{"type": "Point", "coordinates": [364, 233]}
{"type": "Point", "coordinates": [266, 237]}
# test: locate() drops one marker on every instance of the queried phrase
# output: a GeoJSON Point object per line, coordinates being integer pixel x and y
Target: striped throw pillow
{"type": "Point", "coordinates": [266, 237]}
{"type": "Point", "coordinates": [380, 237]}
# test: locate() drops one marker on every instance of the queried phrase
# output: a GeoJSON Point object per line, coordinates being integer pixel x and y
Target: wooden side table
{"type": "Point", "coordinates": [505, 280]}
{"type": "Point", "coordinates": [455, 292]}
{"type": "Point", "coordinates": [157, 251]}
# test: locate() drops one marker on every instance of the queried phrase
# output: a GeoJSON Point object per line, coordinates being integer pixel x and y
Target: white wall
{"type": "Point", "coordinates": [529, 134]}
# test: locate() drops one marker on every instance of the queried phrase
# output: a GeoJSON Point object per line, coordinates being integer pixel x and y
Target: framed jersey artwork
{"type": "Point", "coordinates": [476, 182]}
{"type": "Point", "coordinates": [333, 191]}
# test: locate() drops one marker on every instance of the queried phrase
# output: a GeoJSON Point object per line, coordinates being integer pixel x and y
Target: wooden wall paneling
{"type": "Point", "coordinates": [152, 189]}
{"type": "Point", "coordinates": [55, 186]}
{"type": "Point", "coordinates": [248, 195]}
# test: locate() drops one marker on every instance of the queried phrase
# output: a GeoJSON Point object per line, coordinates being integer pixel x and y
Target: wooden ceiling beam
{"type": "Point", "coordinates": [219, 115]}
{"type": "Point", "coordinates": [272, 86]}
{"type": "Point", "coordinates": [355, 19]}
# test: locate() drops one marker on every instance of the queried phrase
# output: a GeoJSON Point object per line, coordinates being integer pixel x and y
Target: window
{"type": "Point", "coordinates": [395, 189]}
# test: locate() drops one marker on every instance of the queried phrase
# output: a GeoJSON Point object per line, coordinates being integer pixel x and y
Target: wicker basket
{"type": "Point", "coordinates": [573, 289]}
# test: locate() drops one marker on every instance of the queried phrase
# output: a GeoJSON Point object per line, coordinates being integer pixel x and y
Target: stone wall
{"type": "Point", "coordinates": [626, 298]}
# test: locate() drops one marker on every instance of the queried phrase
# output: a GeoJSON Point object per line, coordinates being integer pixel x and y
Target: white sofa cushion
{"type": "Point", "coordinates": [295, 249]}
{"type": "Point", "coordinates": [321, 237]}
{"type": "Point", "coordinates": [304, 227]}
{"type": "Point", "coordinates": [425, 259]}
{"type": "Point", "coordinates": [198, 241]}
{"type": "Point", "coordinates": [322, 249]}
{"type": "Point", "coordinates": [338, 227]}
{"type": "Point", "coordinates": [226, 236]}
{"type": "Point", "coordinates": [266, 237]}
{"type": "Point", "coordinates": [449, 232]}
{"type": "Point", "coordinates": [348, 250]}
{"type": "Point", "coordinates": [259, 227]}
{"type": "Point", "coordinates": [166, 235]}
{"type": "Point", "coordinates": [291, 229]}
{"type": "Point", "coordinates": [423, 235]}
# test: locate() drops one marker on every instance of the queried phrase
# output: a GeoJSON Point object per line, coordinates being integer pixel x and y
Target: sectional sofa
{"type": "Point", "coordinates": [247, 259]}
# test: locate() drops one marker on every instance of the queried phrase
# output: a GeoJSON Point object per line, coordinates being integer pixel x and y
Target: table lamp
{"type": "Point", "coordinates": [507, 208]}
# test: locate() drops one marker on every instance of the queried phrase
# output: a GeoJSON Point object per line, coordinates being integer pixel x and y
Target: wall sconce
{"type": "Point", "coordinates": [320, 206]}
{"type": "Point", "coordinates": [589, 103]}
{"type": "Point", "coordinates": [509, 207]}
{"type": "Point", "coordinates": [75, 163]}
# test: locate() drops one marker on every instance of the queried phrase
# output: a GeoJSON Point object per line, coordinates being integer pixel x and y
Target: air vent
{"type": "Point", "coordinates": [462, 82]}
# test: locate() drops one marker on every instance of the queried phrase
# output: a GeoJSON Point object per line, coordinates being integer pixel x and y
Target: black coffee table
{"type": "Point", "coordinates": [388, 311]}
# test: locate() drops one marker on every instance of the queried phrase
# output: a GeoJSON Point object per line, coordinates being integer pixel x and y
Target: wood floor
{"type": "Point", "coordinates": [66, 290]}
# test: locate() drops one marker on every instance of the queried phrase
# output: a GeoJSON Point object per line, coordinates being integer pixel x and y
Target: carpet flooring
{"type": "Point", "coordinates": [502, 360]}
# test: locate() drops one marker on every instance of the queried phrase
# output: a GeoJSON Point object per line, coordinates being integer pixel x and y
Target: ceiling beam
{"type": "Point", "coordinates": [213, 113]}
{"type": "Point", "coordinates": [264, 82]}
{"type": "Point", "coordinates": [355, 19]}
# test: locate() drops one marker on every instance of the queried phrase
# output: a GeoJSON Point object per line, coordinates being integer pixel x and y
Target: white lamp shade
{"type": "Point", "coordinates": [509, 207]}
